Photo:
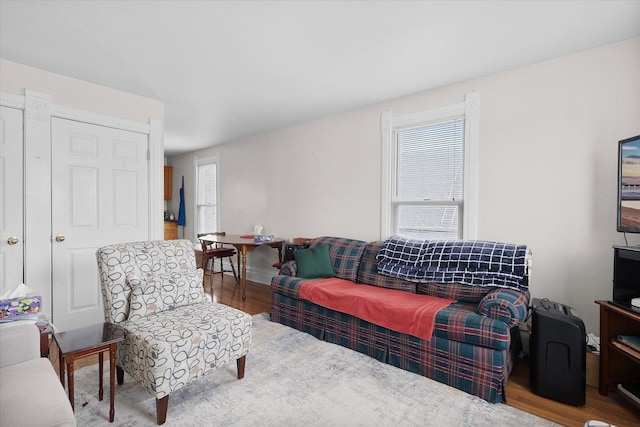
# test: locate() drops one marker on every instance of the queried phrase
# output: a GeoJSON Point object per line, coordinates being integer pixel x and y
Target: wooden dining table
{"type": "Point", "coordinates": [244, 244]}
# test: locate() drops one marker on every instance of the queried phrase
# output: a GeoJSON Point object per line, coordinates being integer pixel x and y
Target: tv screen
{"type": "Point", "coordinates": [629, 185]}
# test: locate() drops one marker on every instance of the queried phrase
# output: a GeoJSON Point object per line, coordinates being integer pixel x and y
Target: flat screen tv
{"type": "Point", "coordinates": [629, 185]}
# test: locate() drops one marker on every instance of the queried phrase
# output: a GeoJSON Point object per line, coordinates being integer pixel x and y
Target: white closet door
{"type": "Point", "coordinates": [99, 197]}
{"type": "Point", "coordinates": [11, 198]}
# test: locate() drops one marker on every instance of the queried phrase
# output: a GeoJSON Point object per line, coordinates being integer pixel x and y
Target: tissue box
{"type": "Point", "coordinates": [14, 308]}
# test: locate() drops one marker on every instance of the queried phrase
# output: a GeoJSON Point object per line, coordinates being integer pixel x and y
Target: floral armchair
{"type": "Point", "coordinates": [173, 333]}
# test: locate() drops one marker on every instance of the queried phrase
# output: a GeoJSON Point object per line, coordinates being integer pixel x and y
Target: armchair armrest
{"type": "Point", "coordinates": [508, 305]}
{"type": "Point", "coordinates": [289, 268]}
{"type": "Point", "coordinates": [19, 343]}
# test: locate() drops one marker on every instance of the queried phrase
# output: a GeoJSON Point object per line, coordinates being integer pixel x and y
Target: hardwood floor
{"type": "Point", "coordinates": [228, 293]}
{"type": "Point", "coordinates": [612, 409]}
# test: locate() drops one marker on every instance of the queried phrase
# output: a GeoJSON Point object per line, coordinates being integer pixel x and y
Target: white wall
{"type": "Point", "coordinates": [548, 170]}
{"type": "Point", "coordinates": [70, 92]}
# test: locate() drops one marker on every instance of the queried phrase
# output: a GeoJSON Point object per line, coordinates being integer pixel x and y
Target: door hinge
{"type": "Point", "coordinates": [148, 155]}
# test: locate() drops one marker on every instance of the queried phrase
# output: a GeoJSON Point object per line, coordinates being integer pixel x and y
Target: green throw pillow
{"type": "Point", "coordinates": [314, 262]}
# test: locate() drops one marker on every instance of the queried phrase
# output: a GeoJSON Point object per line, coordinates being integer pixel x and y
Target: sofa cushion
{"type": "Point", "coordinates": [460, 322]}
{"type": "Point", "coordinates": [163, 292]}
{"type": "Point", "coordinates": [288, 285]}
{"type": "Point", "coordinates": [18, 342]}
{"type": "Point", "coordinates": [345, 254]}
{"type": "Point", "coordinates": [31, 394]}
{"type": "Point", "coordinates": [174, 347]}
{"type": "Point", "coordinates": [456, 291]}
{"type": "Point", "coordinates": [314, 262]}
{"type": "Point", "coordinates": [393, 309]}
{"type": "Point", "coordinates": [368, 272]}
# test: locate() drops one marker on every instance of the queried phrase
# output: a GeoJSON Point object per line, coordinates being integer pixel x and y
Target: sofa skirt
{"type": "Point", "coordinates": [477, 370]}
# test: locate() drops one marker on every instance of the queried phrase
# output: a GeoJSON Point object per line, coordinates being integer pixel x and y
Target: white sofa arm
{"type": "Point", "coordinates": [18, 343]}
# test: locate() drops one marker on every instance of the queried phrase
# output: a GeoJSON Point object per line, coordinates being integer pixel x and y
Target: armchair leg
{"type": "Point", "coordinates": [240, 364]}
{"type": "Point", "coordinates": [120, 375]}
{"type": "Point", "coordinates": [162, 405]}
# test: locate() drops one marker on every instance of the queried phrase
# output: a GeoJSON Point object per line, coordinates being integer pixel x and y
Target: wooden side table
{"type": "Point", "coordinates": [617, 366]}
{"type": "Point", "coordinates": [87, 341]}
{"type": "Point", "coordinates": [46, 330]}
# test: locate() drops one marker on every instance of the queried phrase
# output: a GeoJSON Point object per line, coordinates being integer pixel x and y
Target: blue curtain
{"type": "Point", "coordinates": [181, 213]}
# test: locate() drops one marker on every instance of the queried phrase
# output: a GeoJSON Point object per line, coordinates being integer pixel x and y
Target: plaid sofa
{"type": "Point", "coordinates": [474, 342]}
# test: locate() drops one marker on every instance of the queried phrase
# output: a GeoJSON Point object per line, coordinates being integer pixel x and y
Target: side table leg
{"type": "Point", "coordinates": [100, 361]}
{"type": "Point", "coordinates": [112, 380]}
{"type": "Point", "coordinates": [44, 344]}
{"type": "Point", "coordinates": [61, 367]}
{"type": "Point", "coordinates": [70, 382]}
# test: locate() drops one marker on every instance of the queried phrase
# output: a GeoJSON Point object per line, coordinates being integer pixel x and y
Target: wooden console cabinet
{"type": "Point", "coordinates": [616, 365]}
{"type": "Point", "coordinates": [170, 230]}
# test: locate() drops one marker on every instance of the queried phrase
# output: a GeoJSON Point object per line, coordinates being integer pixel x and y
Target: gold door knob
{"type": "Point", "coordinates": [12, 240]}
{"type": "Point", "coordinates": [59, 238]}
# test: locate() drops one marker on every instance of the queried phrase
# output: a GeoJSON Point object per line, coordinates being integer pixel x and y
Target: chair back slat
{"type": "Point", "coordinates": [208, 245]}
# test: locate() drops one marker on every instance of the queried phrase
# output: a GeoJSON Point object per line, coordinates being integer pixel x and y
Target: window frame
{"type": "Point", "coordinates": [389, 125]}
{"type": "Point", "coordinates": [198, 162]}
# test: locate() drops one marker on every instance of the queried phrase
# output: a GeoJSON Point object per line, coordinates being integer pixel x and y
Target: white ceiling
{"type": "Point", "coordinates": [227, 70]}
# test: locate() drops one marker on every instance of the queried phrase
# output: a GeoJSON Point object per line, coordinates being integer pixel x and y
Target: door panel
{"type": "Point", "coordinates": [83, 185]}
{"type": "Point", "coordinates": [11, 198]}
{"type": "Point", "coordinates": [79, 270]}
{"type": "Point", "coordinates": [99, 189]}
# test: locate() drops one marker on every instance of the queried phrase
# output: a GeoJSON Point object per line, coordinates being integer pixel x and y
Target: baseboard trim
{"type": "Point", "coordinates": [254, 274]}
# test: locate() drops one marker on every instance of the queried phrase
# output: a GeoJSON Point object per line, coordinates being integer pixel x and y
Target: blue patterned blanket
{"type": "Point", "coordinates": [472, 262]}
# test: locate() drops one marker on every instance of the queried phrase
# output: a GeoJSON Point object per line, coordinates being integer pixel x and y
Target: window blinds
{"type": "Point", "coordinates": [429, 180]}
{"type": "Point", "coordinates": [206, 198]}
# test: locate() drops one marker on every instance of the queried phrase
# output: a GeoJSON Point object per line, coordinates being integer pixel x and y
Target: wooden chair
{"type": "Point", "coordinates": [212, 251]}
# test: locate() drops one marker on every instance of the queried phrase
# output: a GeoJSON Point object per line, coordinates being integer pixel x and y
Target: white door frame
{"type": "Point", "coordinates": [11, 199]}
{"type": "Point", "coordinates": [38, 110]}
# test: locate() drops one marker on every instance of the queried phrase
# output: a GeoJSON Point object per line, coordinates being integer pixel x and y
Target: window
{"type": "Point", "coordinates": [429, 172]}
{"type": "Point", "coordinates": [207, 195]}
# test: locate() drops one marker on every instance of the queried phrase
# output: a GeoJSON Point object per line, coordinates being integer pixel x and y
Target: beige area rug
{"type": "Point", "coordinates": [293, 379]}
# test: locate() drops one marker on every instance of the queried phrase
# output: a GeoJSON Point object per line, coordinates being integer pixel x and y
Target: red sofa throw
{"type": "Point", "coordinates": [399, 311]}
